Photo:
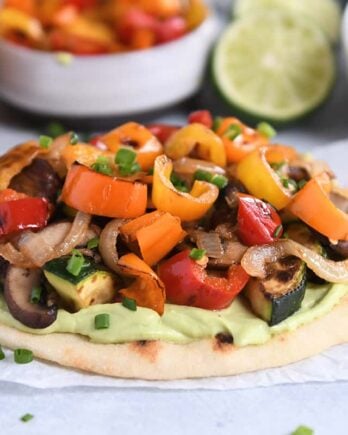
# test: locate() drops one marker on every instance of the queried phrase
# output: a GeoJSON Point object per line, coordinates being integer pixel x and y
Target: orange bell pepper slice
{"type": "Point", "coordinates": [261, 181]}
{"type": "Point", "coordinates": [313, 206]}
{"type": "Point", "coordinates": [142, 141]}
{"type": "Point", "coordinates": [27, 6]}
{"type": "Point", "coordinates": [12, 19]}
{"type": "Point", "coordinates": [147, 289]}
{"type": "Point", "coordinates": [187, 206]}
{"type": "Point", "coordinates": [101, 195]}
{"type": "Point", "coordinates": [198, 139]}
{"type": "Point", "coordinates": [244, 143]}
{"type": "Point", "coordinates": [154, 235]}
{"type": "Point", "coordinates": [280, 153]}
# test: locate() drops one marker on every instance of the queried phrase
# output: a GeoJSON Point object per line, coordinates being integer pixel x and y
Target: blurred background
{"type": "Point", "coordinates": [178, 73]}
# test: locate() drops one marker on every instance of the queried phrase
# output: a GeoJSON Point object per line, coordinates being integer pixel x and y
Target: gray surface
{"type": "Point", "coordinates": [271, 411]}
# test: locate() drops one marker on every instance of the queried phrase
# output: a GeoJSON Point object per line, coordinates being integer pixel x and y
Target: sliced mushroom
{"type": "Point", "coordinates": [19, 284]}
{"type": "Point", "coordinates": [38, 179]}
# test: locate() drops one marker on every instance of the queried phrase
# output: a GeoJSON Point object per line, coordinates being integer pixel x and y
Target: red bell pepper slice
{"type": "Point", "coordinates": [162, 131]}
{"type": "Point", "coordinates": [202, 117]}
{"type": "Point", "coordinates": [258, 221]}
{"type": "Point", "coordinates": [22, 214]}
{"type": "Point", "coordinates": [188, 283]}
{"type": "Point", "coordinates": [170, 29]}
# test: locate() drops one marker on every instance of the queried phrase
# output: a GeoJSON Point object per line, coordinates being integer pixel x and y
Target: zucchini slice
{"type": "Point", "coordinates": [93, 285]}
{"type": "Point", "coordinates": [280, 294]}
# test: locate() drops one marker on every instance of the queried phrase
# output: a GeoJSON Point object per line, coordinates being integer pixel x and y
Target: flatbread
{"type": "Point", "coordinates": [157, 360]}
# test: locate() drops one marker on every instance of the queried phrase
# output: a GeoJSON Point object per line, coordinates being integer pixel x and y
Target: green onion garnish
{"type": "Point", "coordinates": [266, 129]}
{"type": "Point", "coordinates": [233, 132]}
{"type": "Point", "coordinates": [289, 183]}
{"type": "Point", "coordinates": [203, 175]}
{"type": "Point", "coordinates": [102, 321]}
{"type": "Point", "coordinates": [301, 184]}
{"type": "Point", "coordinates": [125, 156]}
{"type": "Point", "coordinates": [197, 254]}
{"type": "Point", "coordinates": [178, 183]}
{"type": "Point", "coordinates": [93, 243]}
{"type": "Point", "coordinates": [217, 122]}
{"type": "Point", "coordinates": [278, 231]}
{"type": "Point", "coordinates": [55, 129]}
{"type": "Point", "coordinates": [26, 417]}
{"type": "Point", "coordinates": [125, 159]}
{"type": "Point", "coordinates": [131, 304]}
{"type": "Point", "coordinates": [129, 169]}
{"type": "Point", "coordinates": [23, 356]}
{"type": "Point", "coordinates": [75, 263]}
{"type": "Point", "coordinates": [150, 171]}
{"type": "Point", "coordinates": [102, 165]}
{"type": "Point", "coordinates": [277, 165]}
{"type": "Point", "coordinates": [74, 139]}
{"type": "Point", "coordinates": [45, 141]}
{"type": "Point", "coordinates": [219, 180]}
{"type": "Point", "coordinates": [2, 354]}
{"type": "Point", "coordinates": [35, 296]}
{"type": "Point", "coordinates": [303, 430]}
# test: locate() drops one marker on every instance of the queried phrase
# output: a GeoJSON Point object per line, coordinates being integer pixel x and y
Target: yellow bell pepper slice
{"type": "Point", "coordinates": [261, 181]}
{"type": "Point", "coordinates": [15, 20]}
{"type": "Point", "coordinates": [187, 206]}
{"type": "Point", "coordinates": [199, 139]}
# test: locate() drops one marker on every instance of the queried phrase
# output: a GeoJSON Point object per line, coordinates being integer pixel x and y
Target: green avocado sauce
{"type": "Point", "coordinates": [181, 324]}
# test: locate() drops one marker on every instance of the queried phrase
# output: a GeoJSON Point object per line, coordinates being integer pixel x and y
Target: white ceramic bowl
{"type": "Point", "coordinates": [104, 85]}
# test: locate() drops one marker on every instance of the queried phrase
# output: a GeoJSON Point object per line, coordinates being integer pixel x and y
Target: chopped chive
{"type": "Point", "coordinates": [26, 417]}
{"type": "Point", "coordinates": [131, 304]}
{"type": "Point", "coordinates": [303, 430]}
{"type": "Point", "coordinates": [23, 356]}
{"type": "Point", "coordinates": [45, 141]}
{"type": "Point", "coordinates": [217, 122]}
{"type": "Point", "coordinates": [74, 138]}
{"type": "Point", "coordinates": [102, 321]}
{"type": "Point", "coordinates": [203, 175]}
{"type": "Point", "coordinates": [93, 243]}
{"type": "Point", "coordinates": [55, 129]}
{"type": "Point", "coordinates": [102, 165]}
{"type": "Point", "coordinates": [288, 183]}
{"type": "Point", "coordinates": [64, 58]}
{"type": "Point", "coordinates": [197, 254]}
{"type": "Point", "coordinates": [75, 263]}
{"type": "Point", "coordinates": [266, 129]}
{"type": "Point", "coordinates": [301, 184]}
{"type": "Point", "coordinates": [233, 132]}
{"type": "Point", "coordinates": [125, 156]}
{"type": "Point", "coordinates": [278, 231]}
{"type": "Point", "coordinates": [285, 235]}
{"type": "Point", "coordinates": [219, 180]}
{"type": "Point", "coordinates": [178, 183]}
{"type": "Point", "coordinates": [129, 169]}
{"type": "Point", "coordinates": [35, 296]}
{"type": "Point", "coordinates": [2, 354]}
{"type": "Point", "coordinates": [150, 171]}
{"type": "Point", "coordinates": [277, 165]}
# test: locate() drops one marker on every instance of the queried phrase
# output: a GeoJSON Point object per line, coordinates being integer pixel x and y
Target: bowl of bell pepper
{"type": "Point", "coordinates": [94, 58]}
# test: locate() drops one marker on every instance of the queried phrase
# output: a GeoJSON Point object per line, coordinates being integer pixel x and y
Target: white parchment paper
{"type": "Point", "coordinates": [330, 366]}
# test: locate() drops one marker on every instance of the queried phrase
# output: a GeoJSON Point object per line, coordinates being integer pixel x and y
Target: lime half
{"type": "Point", "coordinates": [325, 13]}
{"type": "Point", "coordinates": [274, 65]}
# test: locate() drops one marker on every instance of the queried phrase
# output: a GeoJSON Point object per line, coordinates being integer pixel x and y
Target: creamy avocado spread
{"type": "Point", "coordinates": [181, 324]}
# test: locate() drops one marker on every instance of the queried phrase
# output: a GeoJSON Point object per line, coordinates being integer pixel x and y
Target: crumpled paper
{"type": "Point", "coordinates": [330, 366]}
